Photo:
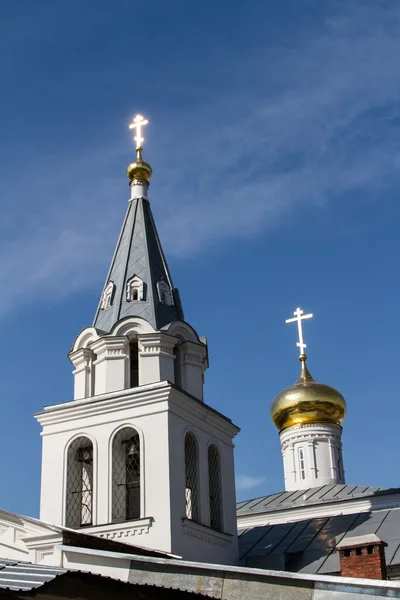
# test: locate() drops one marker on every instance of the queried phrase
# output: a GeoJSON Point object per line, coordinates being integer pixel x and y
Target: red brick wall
{"type": "Point", "coordinates": [364, 565]}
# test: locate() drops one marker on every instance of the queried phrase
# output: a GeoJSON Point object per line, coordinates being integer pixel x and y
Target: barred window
{"type": "Point", "coordinates": [126, 475]}
{"type": "Point", "coordinates": [79, 498]}
{"type": "Point", "coordinates": [191, 477]}
{"type": "Point", "coordinates": [134, 363]}
{"type": "Point", "coordinates": [214, 486]}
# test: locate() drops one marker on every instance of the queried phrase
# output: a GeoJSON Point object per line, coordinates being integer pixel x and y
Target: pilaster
{"type": "Point", "coordinates": [81, 359]}
{"type": "Point", "coordinates": [111, 364]}
{"type": "Point", "coordinates": [156, 357]}
{"type": "Point", "coordinates": [193, 357]}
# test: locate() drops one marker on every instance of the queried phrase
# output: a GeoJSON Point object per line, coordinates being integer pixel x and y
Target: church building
{"type": "Point", "coordinates": [138, 470]}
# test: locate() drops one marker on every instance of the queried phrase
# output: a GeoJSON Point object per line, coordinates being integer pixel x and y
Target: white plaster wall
{"type": "Point", "coordinates": [162, 415]}
{"type": "Point", "coordinates": [193, 541]}
{"type": "Point", "coordinates": [322, 449]}
{"type": "Point", "coordinates": [101, 565]}
{"type": "Point", "coordinates": [151, 421]}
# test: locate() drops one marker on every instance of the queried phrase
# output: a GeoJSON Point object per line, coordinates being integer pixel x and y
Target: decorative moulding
{"type": "Point", "coordinates": [116, 531]}
{"type": "Point", "coordinates": [107, 296]}
{"type": "Point", "coordinates": [135, 289]}
{"type": "Point", "coordinates": [206, 534]}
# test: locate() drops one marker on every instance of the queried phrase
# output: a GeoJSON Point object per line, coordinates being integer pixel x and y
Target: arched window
{"type": "Point", "coordinates": [302, 464]}
{"type": "Point", "coordinates": [79, 499]}
{"type": "Point", "coordinates": [134, 289]}
{"type": "Point", "coordinates": [214, 486]}
{"type": "Point", "coordinates": [191, 477]}
{"type": "Point", "coordinates": [126, 475]}
{"type": "Point", "coordinates": [134, 363]}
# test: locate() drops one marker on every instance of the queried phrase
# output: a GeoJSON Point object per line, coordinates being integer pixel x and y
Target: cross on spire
{"type": "Point", "coordinates": [299, 317]}
{"type": "Point", "coordinates": [138, 123]}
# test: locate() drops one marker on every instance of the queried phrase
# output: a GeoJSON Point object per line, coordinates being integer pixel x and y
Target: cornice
{"type": "Point", "coordinates": [104, 403]}
{"type": "Point", "coordinates": [181, 406]}
{"type": "Point", "coordinates": [206, 534]}
{"type": "Point", "coordinates": [156, 393]}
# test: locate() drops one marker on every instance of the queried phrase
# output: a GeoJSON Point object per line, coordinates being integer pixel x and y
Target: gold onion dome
{"type": "Point", "coordinates": [139, 169]}
{"type": "Point", "coordinates": [307, 402]}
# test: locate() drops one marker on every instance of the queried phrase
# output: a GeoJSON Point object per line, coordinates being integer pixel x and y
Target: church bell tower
{"type": "Point", "coordinates": [137, 455]}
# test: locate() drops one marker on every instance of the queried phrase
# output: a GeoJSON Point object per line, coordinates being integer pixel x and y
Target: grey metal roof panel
{"type": "Point", "coordinates": [309, 562]}
{"type": "Point", "coordinates": [389, 528]}
{"type": "Point", "coordinates": [291, 537]}
{"type": "Point", "coordinates": [19, 575]}
{"type": "Point", "coordinates": [330, 564]}
{"type": "Point", "coordinates": [139, 253]}
{"type": "Point", "coordinates": [273, 537]}
{"type": "Point", "coordinates": [325, 493]}
{"type": "Point", "coordinates": [308, 546]}
{"type": "Point", "coordinates": [251, 538]}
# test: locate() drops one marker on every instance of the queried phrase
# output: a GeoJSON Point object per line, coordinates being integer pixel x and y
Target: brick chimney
{"type": "Point", "coordinates": [363, 557]}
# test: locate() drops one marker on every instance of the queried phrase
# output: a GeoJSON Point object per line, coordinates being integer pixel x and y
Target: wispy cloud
{"type": "Point", "coordinates": [305, 122]}
{"type": "Point", "coordinates": [246, 482]}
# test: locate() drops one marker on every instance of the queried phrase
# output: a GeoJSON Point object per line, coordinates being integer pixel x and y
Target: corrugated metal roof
{"type": "Point", "coordinates": [325, 493]}
{"type": "Point", "coordinates": [23, 576]}
{"type": "Point", "coordinates": [309, 546]}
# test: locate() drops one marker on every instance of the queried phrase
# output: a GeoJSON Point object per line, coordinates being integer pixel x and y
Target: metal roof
{"type": "Point", "coordinates": [18, 577]}
{"type": "Point", "coordinates": [325, 493]}
{"type": "Point", "coordinates": [21, 576]}
{"type": "Point", "coordinates": [309, 546]}
{"type": "Point", "coordinates": [139, 253]}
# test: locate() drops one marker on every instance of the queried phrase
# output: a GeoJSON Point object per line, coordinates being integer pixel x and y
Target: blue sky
{"type": "Point", "coordinates": [275, 144]}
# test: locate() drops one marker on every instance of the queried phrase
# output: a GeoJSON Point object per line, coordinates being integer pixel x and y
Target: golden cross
{"type": "Point", "coordinates": [138, 123]}
{"type": "Point", "coordinates": [299, 316]}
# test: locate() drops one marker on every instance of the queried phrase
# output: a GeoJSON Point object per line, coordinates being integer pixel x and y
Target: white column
{"type": "Point", "coordinates": [111, 364]}
{"type": "Point", "coordinates": [81, 359]}
{"type": "Point", "coordinates": [156, 357]}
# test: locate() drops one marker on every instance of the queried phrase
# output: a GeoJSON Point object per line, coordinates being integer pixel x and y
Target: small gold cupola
{"type": "Point", "coordinates": [139, 170]}
{"type": "Point", "coordinates": [307, 401]}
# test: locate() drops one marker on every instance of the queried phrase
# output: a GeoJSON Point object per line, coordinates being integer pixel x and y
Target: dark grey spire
{"type": "Point", "coordinates": [138, 283]}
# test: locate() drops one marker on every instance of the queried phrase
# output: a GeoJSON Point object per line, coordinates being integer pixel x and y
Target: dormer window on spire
{"type": "Point", "coordinates": [134, 289]}
{"type": "Point", "coordinates": [164, 293]}
{"type": "Point", "coordinates": [107, 297]}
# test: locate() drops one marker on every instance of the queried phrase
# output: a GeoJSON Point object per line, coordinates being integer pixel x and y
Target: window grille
{"type": "Point", "coordinates": [126, 475]}
{"type": "Point", "coordinates": [79, 499]}
{"type": "Point", "coordinates": [191, 477]}
{"type": "Point", "coordinates": [214, 486]}
{"type": "Point", "coordinates": [302, 463]}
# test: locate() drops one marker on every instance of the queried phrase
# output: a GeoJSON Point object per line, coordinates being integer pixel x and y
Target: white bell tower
{"type": "Point", "coordinates": [137, 455]}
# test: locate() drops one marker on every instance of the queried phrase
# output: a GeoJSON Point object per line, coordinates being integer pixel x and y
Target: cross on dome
{"type": "Point", "coordinates": [138, 123]}
{"type": "Point", "coordinates": [299, 317]}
